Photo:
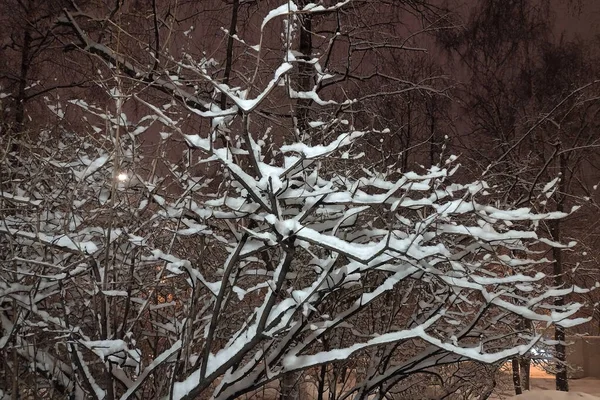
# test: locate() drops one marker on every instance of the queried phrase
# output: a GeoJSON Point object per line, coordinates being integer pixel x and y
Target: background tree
{"type": "Point", "coordinates": [522, 77]}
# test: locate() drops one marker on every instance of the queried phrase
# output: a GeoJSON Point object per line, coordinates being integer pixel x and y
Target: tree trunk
{"type": "Point", "coordinates": [516, 376]}
{"type": "Point", "coordinates": [322, 378]}
{"type": "Point", "coordinates": [15, 370]}
{"type": "Point", "coordinates": [21, 98]}
{"type": "Point", "coordinates": [23, 81]}
{"type": "Point", "coordinates": [290, 386]}
{"type": "Point", "coordinates": [525, 368]}
{"type": "Point", "coordinates": [306, 73]}
{"type": "Point", "coordinates": [562, 382]}
{"type": "Point", "coordinates": [525, 361]}
{"type": "Point", "coordinates": [229, 56]}
{"type": "Point", "coordinates": [435, 142]}
{"type": "Point", "coordinates": [290, 382]}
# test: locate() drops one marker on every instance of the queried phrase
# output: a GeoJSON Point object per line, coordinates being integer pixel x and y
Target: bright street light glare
{"type": "Point", "coordinates": [122, 177]}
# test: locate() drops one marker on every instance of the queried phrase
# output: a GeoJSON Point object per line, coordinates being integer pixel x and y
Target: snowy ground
{"type": "Point", "coordinates": [542, 385]}
{"type": "Point", "coordinates": [554, 395]}
{"type": "Point", "coordinates": [543, 388]}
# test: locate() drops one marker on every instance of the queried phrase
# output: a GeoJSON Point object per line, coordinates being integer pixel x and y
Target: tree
{"type": "Point", "coordinates": [531, 100]}
{"type": "Point", "coordinates": [252, 256]}
{"type": "Point", "coordinates": [33, 63]}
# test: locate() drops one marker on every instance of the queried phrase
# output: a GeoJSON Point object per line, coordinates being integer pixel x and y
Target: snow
{"type": "Point", "coordinates": [480, 233]}
{"type": "Point", "coordinates": [20, 199]}
{"type": "Point", "coordinates": [115, 293]}
{"type": "Point", "coordinates": [484, 280]}
{"type": "Point", "coordinates": [357, 251]}
{"type": "Point", "coordinates": [181, 389]}
{"type": "Point", "coordinates": [92, 167]}
{"type": "Point", "coordinates": [310, 95]}
{"type": "Point", "coordinates": [311, 152]}
{"type": "Point", "coordinates": [294, 362]}
{"type": "Point", "coordinates": [57, 241]}
{"type": "Point", "coordinates": [312, 7]}
{"type": "Point", "coordinates": [197, 141]}
{"type": "Point", "coordinates": [550, 185]}
{"type": "Point", "coordinates": [364, 252]}
{"type": "Point", "coordinates": [553, 395]}
{"type": "Point", "coordinates": [116, 351]}
{"type": "Point", "coordinates": [193, 229]}
{"type": "Point", "coordinates": [283, 9]}
{"type": "Point", "coordinates": [250, 104]}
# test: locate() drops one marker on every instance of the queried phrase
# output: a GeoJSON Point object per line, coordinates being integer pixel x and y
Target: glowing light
{"type": "Point", "coordinates": [122, 177]}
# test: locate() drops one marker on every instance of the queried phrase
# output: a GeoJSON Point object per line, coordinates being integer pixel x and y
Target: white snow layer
{"type": "Point", "coordinates": [553, 395]}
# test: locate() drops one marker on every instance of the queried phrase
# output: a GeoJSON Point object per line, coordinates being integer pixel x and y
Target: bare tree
{"type": "Point", "coordinates": [252, 244]}
{"type": "Point", "coordinates": [525, 87]}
